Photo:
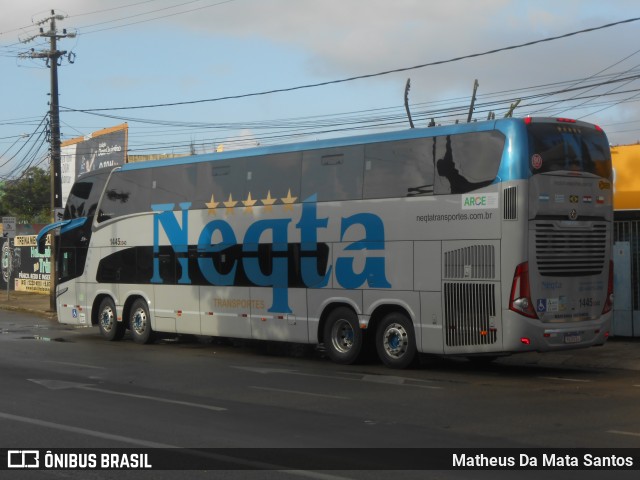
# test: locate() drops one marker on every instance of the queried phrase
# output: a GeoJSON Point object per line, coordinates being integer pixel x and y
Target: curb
{"type": "Point", "coordinates": [34, 311]}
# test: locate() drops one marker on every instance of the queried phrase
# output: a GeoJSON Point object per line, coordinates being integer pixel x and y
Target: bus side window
{"type": "Point", "coordinates": [274, 176]}
{"type": "Point", "coordinates": [220, 181]}
{"type": "Point", "coordinates": [173, 184]}
{"type": "Point", "coordinates": [127, 192]}
{"type": "Point", "coordinates": [467, 161]}
{"type": "Point", "coordinates": [333, 173]}
{"type": "Point", "coordinates": [67, 264]}
{"type": "Point", "coordinates": [398, 169]}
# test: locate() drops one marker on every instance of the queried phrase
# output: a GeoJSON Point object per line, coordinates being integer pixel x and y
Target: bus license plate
{"type": "Point", "coordinates": [572, 338]}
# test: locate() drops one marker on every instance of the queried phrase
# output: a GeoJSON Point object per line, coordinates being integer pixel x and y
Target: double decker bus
{"type": "Point", "coordinates": [478, 239]}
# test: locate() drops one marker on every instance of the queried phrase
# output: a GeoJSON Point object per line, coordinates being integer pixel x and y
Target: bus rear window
{"type": "Point", "coordinates": [557, 147]}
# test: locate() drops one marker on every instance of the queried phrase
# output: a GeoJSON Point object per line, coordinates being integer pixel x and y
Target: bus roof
{"type": "Point", "coordinates": [328, 143]}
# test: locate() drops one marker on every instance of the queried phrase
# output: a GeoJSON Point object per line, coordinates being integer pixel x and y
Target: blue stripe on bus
{"type": "Point", "coordinates": [512, 167]}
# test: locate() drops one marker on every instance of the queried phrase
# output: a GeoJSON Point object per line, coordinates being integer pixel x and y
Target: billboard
{"type": "Point", "coordinates": [22, 265]}
{"type": "Point", "coordinates": [104, 148]}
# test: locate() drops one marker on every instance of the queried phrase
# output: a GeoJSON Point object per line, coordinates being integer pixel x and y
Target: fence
{"type": "Point", "coordinates": [626, 315]}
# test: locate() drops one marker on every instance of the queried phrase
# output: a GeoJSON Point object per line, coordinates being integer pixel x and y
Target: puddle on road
{"type": "Point", "coordinates": [44, 339]}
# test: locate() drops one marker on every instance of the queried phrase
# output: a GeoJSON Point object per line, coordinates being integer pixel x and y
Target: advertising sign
{"type": "Point", "coordinates": [104, 148]}
{"type": "Point", "coordinates": [8, 227]}
{"type": "Point", "coordinates": [23, 267]}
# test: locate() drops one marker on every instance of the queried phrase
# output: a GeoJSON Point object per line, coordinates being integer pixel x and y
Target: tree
{"type": "Point", "coordinates": [27, 198]}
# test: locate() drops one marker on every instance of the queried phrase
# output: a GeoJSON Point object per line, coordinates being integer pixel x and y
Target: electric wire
{"type": "Point", "coordinates": [296, 129]}
{"type": "Point", "coordinates": [371, 75]}
{"type": "Point", "coordinates": [37, 130]}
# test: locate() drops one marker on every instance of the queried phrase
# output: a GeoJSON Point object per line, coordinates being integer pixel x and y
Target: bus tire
{"type": "Point", "coordinates": [396, 341]}
{"type": "Point", "coordinates": [110, 328]}
{"type": "Point", "coordinates": [343, 338]}
{"type": "Point", "coordinates": [140, 322]}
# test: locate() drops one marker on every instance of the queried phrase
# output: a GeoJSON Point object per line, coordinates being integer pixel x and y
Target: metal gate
{"type": "Point", "coordinates": [627, 269]}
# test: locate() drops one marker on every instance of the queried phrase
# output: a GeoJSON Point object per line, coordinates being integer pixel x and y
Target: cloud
{"type": "Point", "coordinates": [333, 39]}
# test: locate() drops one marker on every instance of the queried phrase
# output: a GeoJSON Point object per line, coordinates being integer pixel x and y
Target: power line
{"type": "Point", "coordinates": [449, 104]}
{"type": "Point", "coordinates": [121, 7]}
{"type": "Point", "coordinates": [600, 72]}
{"type": "Point", "coordinates": [37, 135]}
{"type": "Point", "coordinates": [154, 18]}
{"type": "Point", "coordinates": [360, 77]}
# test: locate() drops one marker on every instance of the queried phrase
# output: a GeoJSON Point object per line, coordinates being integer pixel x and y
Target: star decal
{"type": "Point", "coordinates": [249, 203]}
{"type": "Point", "coordinates": [230, 204]}
{"type": "Point", "coordinates": [268, 202]}
{"type": "Point", "coordinates": [288, 201]}
{"type": "Point", "coordinates": [212, 205]}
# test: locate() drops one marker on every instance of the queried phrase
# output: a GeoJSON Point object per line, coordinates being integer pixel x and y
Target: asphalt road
{"type": "Point", "coordinates": [65, 387]}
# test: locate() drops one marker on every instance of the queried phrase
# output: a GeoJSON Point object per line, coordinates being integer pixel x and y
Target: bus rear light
{"type": "Point", "coordinates": [608, 304]}
{"type": "Point", "coordinates": [525, 341]}
{"type": "Point", "coordinates": [520, 300]}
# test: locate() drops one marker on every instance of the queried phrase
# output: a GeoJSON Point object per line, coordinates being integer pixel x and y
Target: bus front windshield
{"type": "Point", "coordinates": [555, 147]}
{"type": "Point", "coordinates": [84, 195]}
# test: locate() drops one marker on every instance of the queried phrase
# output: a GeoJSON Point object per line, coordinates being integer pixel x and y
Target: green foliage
{"type": "Point", "coordinates": [27, 198]}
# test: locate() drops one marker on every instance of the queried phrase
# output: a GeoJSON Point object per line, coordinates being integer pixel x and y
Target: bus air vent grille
{"type": "Point", "coordinates": [472, 262]}
{"type": "Point", "coordinates": [510, 203]}
{"type": "Point", "coordinates": [570, 252]}
{"type": "Point", "coordinates": [469, 313]}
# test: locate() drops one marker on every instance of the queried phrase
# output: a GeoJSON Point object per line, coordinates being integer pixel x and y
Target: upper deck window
{"type": "Point", "coordinates": [398, 169]}
{"type": "Point", "coordinates": [467, 161]}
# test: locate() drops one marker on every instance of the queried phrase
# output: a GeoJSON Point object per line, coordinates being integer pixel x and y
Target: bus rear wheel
{"type": "Point", "coordinates": [110, 328]}
{"type": "Point", "coordinates": [396, 341]}
{"type": "Point", "coordinates": [342, 336]}
{"type": "Point", "coordinates": [140, 322]}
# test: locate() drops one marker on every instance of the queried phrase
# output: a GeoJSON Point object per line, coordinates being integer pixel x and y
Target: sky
{"type": "Point", "coordinates": [128, 59]}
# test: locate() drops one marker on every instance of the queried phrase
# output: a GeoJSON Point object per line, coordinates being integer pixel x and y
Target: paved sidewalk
{"type": "Point", "coordinates": [35, 303]}
{"type": "Point", "coordinates": [618, 353]}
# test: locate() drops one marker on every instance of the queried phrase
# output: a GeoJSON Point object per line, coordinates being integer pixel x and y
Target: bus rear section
{"type": "Point", "coordinates": [563, 293]}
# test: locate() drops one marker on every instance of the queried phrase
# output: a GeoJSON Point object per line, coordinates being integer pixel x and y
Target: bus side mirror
{"type": "Point", "coordinates": [42, 243]}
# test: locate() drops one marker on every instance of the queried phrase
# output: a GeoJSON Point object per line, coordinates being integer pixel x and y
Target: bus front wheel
{"type": "Point", "coordinates": [342, 336]}
{"type": "Point", "coordinates": [140, 322]}
{"type": "Point", "coordinates": [110, 328]}
{"type": "Point", "coordinates": [396, 341]}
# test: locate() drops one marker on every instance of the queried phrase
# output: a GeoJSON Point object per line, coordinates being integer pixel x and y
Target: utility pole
{"type": "Point", "coordinates": [53, 57]}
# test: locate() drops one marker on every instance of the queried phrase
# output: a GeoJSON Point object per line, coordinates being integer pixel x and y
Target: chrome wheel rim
{"type": "Point", "coordinates": [342, 336]}
{"type": "Point", "coordinates": [395, 340]}
{"type": "Point", "coordinates": [139, 321]}
{"type": "Point", "coordinates": [107, 319]}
